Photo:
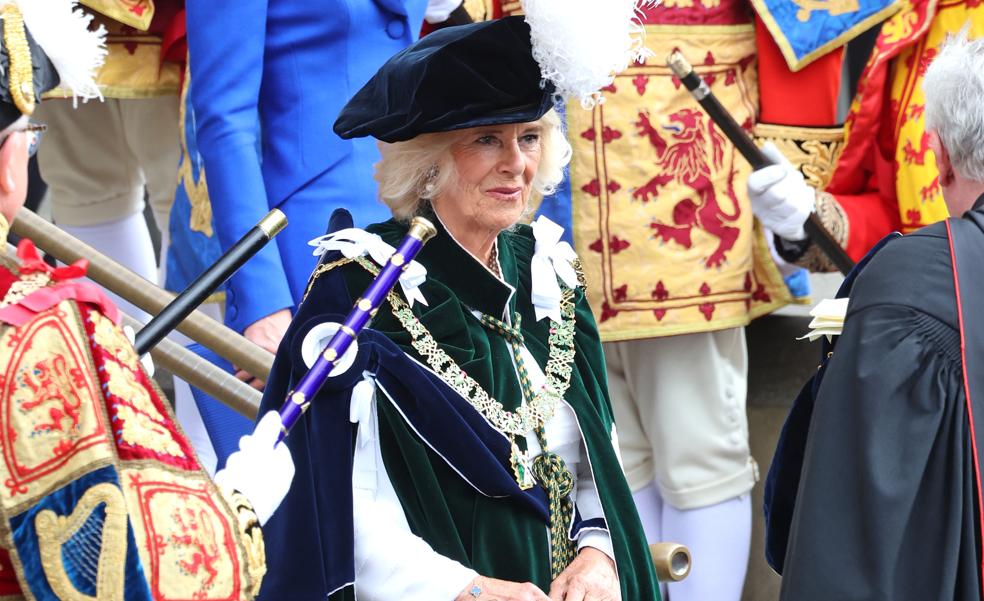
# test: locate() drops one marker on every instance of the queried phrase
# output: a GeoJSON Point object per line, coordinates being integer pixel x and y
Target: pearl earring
{"type": "Point", "coordinates": [429, 186]}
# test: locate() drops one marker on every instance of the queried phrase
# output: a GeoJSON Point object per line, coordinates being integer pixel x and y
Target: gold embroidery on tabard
{"type": "Point", "coordinates": [111, 338]}
{"type": "Point", "coordinates": [107, 549]}
{"type": "Point", "coordinates": [140, 418]}
{"type": "Point", "coordinates": [812, 150]}
{"type": "Point", "coordinates": [655, 183]}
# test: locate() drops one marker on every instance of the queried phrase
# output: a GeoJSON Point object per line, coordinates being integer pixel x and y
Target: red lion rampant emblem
{"type": "Point", "coordinates": [52, 380]}
{"type": "Point", "coordinates": [684, 162]}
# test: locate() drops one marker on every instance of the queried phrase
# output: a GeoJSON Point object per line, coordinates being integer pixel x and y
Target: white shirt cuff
{"type": "Point", "coordinates": [599, 539]}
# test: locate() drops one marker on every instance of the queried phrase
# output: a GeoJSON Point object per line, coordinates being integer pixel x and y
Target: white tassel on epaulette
{"type": "Point", "coordinates": [581, 45]}
{"type": "Point", "coordinates": [61, 29]}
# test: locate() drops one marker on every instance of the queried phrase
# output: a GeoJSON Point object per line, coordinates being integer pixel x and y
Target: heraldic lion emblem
{"type": "Point", "coordinates": [683, 161]}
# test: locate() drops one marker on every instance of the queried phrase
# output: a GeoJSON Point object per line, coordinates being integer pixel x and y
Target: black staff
{"type": "Point", "coordinates": [699, 89]}
{"type": "Point", "coordinates": [199, 290]}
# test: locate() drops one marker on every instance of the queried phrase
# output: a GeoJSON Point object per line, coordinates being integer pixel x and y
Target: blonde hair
{"type": "Point", "coordinates": [420, 168]}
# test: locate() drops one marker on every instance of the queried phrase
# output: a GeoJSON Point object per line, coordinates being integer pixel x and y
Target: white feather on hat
{"type": "Point", "coordinates": [62, 31]}
{"type": "Point", "coordinates": [581, 45]}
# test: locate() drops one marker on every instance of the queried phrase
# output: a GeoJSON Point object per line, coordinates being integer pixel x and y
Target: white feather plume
{"type": "Point", "coordinates": [581, 45]}
{"type": "Point", "coordinates": [62, 31]}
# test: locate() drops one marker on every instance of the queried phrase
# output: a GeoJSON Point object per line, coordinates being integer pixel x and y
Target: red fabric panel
{"type": "Point", "coordinates": [870, 218]}
{"type": "Point", "coordinates": [7, 279]}
{"type": "Point", "coordinates": [8, 577]}
{"type": "Point", "coordinates": [807, 97]}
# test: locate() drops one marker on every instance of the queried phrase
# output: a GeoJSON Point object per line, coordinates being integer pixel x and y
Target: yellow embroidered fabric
{"type": "Point", "coordinates": [812, 150]}
{"type": "Point", "coordinates": [133, 66]}
{"type": "Point", "coordinates": [187, 535]}
{"type": "Point", "coordinates": [50, 424]}
{"type": "Point", "coordinates": [135, 13]}
{"type": "Point", "coordinates": [54, 430]}
{"type": "Point", "coordinates": [662, 223]}
{"type": "Point", "coordinates": [917, 180]}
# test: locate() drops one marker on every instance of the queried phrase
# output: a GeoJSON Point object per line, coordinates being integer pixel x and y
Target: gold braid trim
{"type": "Point", "coordinates": [833, 217]}
{"type": "Point", "coordinates": [321, 270]}
{"type": "Point", "coordinates": [19, 54]}
{"type": "Point", "coordinates": [812, 150]}
{"type": "Point", "coordinates": [252, 538]}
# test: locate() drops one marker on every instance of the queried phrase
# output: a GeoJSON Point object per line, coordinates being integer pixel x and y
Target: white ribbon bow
{"type": "Point", "coordinates": [552, 259]}
{"type": "Point", "coordinates": [354, 242]}
{"type": "Point", "coordinates": [360, 408]}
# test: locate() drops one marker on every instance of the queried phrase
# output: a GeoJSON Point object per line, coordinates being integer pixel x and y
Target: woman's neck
{"type": "Point", "coordinates": [478, 241]}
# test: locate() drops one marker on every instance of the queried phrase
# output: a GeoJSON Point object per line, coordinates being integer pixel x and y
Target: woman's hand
{"type": "Point", "coordinates": [501, 590]}
{"type": "Point", "coordinates": [590, 577]}
{"type": "Point", "coordinates": [267, 334]}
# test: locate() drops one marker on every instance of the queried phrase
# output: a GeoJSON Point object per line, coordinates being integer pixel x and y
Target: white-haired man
{"type": "Point", "coordinates": [889, 497]}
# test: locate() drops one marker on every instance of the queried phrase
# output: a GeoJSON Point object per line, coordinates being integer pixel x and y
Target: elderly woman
{"type": "Point", "coordinates": [483, 463]}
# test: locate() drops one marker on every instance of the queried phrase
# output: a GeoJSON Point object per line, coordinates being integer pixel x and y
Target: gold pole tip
{"type": "Point", "coordinates": [672, 561]}
{"type": "Point", "coordinates": [422, 229]}
{"type": "Point", "coordinates": [678, 64]}
{"type": "Point", "coordinates": [273, 223]}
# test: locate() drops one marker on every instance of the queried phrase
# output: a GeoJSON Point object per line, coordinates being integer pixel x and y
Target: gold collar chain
{"type": "Point", "coordinates": [525, 419]}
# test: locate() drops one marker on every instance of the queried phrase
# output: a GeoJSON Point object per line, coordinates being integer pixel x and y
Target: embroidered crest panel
{"type": "Point", "coordinates": [50, 423]}
{"type": "Point", "coordinates": [186, 536]}
{"type": "Point", "coordinates": [662, 221]}
{"type": "Point", "coordinates": [142, 428]}
{"type": "Point", "coordinates": [76, 543]}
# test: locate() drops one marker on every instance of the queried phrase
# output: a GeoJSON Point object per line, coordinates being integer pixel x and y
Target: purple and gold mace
{"type": "Point", "coordinates": [365, 307]}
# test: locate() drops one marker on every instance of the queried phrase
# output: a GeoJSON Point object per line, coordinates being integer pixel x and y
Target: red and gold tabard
{"type": "Point", "coordinates": [135, 31]}
{"type": "Point", "coordinates": [101, 495]}
{"type": "Point", "coordinates": [886, 176]}
{"type": "Point", "coordinates": [662, 221]}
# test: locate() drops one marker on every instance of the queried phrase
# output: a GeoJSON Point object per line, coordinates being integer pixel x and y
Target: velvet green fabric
{"type": "Point", "coordinates": [498, 537]}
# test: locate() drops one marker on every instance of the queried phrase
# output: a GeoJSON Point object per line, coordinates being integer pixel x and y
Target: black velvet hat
{"type": "Point", "coordinates": [455, 78]}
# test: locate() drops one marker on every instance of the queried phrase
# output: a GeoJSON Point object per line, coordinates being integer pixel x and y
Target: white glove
{"type": "Point", "coordinates": [259, 470]}
{"type": "Point", "coordinates": [438, 11]}
{"type": "Point", "coordinates": [781, 198]}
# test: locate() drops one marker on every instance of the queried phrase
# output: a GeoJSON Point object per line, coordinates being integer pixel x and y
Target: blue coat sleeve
{"type": "Point", "coordinates": [226, 45]}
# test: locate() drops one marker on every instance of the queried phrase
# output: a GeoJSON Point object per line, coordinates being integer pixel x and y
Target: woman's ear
{"type": "Point", "coordinates": [943, 164]}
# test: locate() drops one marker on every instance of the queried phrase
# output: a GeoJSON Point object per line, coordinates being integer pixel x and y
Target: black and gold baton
{"type": "Point", "coordinates": [701, 92]}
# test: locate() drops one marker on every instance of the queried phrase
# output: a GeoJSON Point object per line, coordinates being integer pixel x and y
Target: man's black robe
{"type": "Point", "coordinates": [887, 507]}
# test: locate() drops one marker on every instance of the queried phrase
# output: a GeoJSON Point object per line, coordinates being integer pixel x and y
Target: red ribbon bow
{"type": "Point", "coordinates": [31, 262]}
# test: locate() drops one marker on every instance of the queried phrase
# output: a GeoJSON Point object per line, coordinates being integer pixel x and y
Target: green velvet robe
{"type": "Point", "coordinates": [498, 537]}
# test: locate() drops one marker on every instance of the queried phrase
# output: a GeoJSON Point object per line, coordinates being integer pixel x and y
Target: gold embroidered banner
{"type": "Point", "coordinates": [917, 185]}
{"type": "Point", "coordinates": [662, 223]}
